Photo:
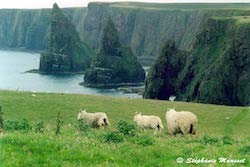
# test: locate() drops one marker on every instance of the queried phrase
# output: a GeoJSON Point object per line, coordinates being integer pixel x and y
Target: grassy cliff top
{"type": "Point", "coordinates": [180, 6]}
{"type": "Point", "coordinates": [242, 20]}
{"type": "Point", "coordinates": [160, 6]}
{"type": "Point", "coordinates": [238, 20]}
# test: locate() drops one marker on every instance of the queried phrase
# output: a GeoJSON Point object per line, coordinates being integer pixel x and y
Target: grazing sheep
{"type": "Point", "coordinates": [148, 121]}
{"type": "Point", "coordinates": [181, 122]}
{"type": "Point", "coordinates": [98, 119]}
{"type": "Point", "coordinates": [172, 98]}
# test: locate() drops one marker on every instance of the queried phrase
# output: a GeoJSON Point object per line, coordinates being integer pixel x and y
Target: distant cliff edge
{"type": "Point", "coordinates": [144, 27]}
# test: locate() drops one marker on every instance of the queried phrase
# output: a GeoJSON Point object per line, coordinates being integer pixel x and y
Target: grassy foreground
{"type": "Point", "coordinates": [223, 131]}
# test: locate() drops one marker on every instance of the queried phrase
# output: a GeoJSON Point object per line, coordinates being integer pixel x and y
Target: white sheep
{"type": "Point", "coordinates": [98, 119]}
{"type": "Point", "coordinates": [148, 121]}
{"type": "Point", "coordinates": [184, 122]}
{"type": "Point", "coordinates": [172, 98]}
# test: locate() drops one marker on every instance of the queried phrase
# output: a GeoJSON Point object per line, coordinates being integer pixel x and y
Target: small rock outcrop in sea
{"type": "Point", "coordinates": [114, 64]}
{"type": "Point", "coordinates": [66, 53]}
{"type": "Point", "coordinates": [162, 76]}
{"type": "Point", "coordinates": [216, 71]}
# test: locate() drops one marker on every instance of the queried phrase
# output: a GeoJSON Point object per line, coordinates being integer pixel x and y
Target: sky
{"type": "Point", "coordinates": [80, 3]}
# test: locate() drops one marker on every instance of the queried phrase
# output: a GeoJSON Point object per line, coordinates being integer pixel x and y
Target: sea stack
{"type": "Point", "coordinates": [66, 53]}
{"type": "Point", "coordinates": [162, 76]}
{"type": "Point", "coordinates": [114, 64]}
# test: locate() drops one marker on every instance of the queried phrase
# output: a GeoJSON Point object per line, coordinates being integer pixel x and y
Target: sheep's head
{"type": "Point", "coordinates": [171, 110]}
{"type": "Point", "coordinates": [136, 115]}
{"type": "Point", "coordinates": [83, 111]}
{"type": "Point", "coordinates": [80, 114]}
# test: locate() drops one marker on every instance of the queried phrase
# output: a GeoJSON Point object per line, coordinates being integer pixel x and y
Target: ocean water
{"type": "Point", "coordinates": [13, 64]}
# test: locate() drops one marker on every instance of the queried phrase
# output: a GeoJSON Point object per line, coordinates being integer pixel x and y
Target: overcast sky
{"type": "Point", "coordinates": [81, 3]}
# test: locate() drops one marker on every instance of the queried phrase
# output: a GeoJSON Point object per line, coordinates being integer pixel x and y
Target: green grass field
{"type": "Point", "coordinates": [223, 131]}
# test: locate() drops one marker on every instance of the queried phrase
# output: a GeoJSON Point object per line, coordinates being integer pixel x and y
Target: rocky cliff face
{"type": "Point", "coordinates": [114, 64]}
{"type": "Point", "coordinates": [222, 61]}
{"type": "Point", "coordinates": [29, 29]}
{"type": "Point", "coordinates": [217, 70]}
{"type": "Point", "coordinates": [66, 52]}
{"type": "Point", "coordinates": [144, 27]}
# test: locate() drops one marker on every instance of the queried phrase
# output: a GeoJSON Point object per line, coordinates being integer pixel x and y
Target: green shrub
{"type": "Point", "coordinates": [113, 137]}
{"type": "Point", "coordinates": [40, 127]}
{"type": "Point", "coordinates": [144, 140]}
{"type": "Point", "coordinates": [10, 125]}
{"type": "Point", "coordinates": [1, 119]}
{"type": "Point", "coordinates": [227, 140]}
{"type": "Point", "coordinates": [210, 140]}
{"type": "Point", "coordinates": [25, 126]}
{"type": "Point", "coordinates": [126, 128]}
{"type": "Point", "coordinates": [59, 123]}
{"type": "Point", "coordinates": [22, 126]}
{"type": "Point", "coordinates": [245, 150]}
{"type": "Point", "coordinates": [82, 126]}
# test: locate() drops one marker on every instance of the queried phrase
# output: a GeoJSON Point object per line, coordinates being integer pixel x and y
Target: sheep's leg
{"type": "Point", "coordinates": [155, 131]}
{"type": "Point", "coordinates": [191, 129]}
{"type": "Point", "coordinates": [184, 129]}
{"type": "Point", "coordinates": [159, 127]}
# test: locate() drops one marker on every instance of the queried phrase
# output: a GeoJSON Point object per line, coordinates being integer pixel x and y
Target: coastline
{"type": "Point", "coordinates": [36, 71]}
{"type": "Point", "coordinates": [111, 85]}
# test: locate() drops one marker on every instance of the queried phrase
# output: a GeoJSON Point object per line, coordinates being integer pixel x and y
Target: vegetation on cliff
{"type": "Point", "coordinates": [161, 79]}
{"type": "Point", "coordinates": [114, 63]}
{"type": "Point", "coordinates": [146, 26]}
{"type": "Point", "coordinates": [66, 52]}
{"type": "Point", "coordinates": [218, 68]}
{"type": "Point", "coordinates": [222, 73]}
